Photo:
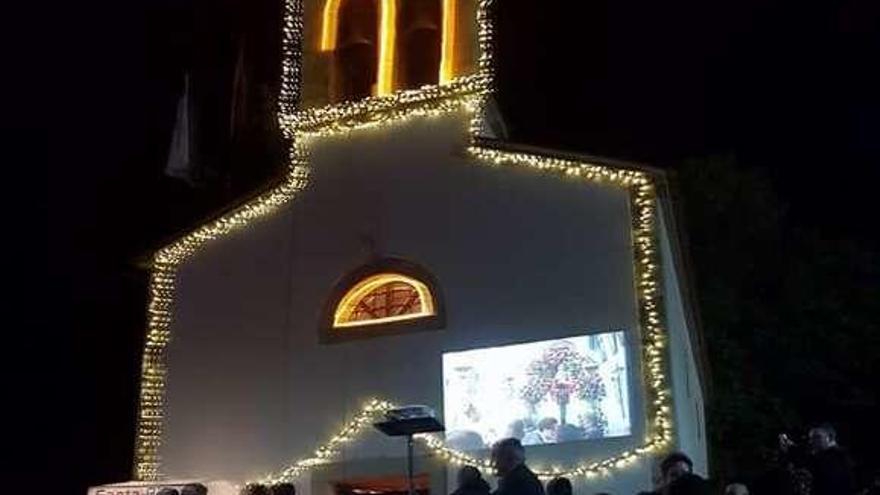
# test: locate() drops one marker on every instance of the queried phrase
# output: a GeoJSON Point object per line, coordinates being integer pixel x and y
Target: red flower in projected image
{"type": "Point", "coordinates": [562, 372]}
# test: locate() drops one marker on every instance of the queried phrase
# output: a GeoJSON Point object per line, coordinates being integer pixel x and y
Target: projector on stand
{"type": "Point", "coordinates": [409, 412]}
{"type": "Point", "coordinates": [407, 421]}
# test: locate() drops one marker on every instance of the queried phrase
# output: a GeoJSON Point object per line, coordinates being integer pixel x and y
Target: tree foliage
{"type": "Point", "coordinates": [789, 316]}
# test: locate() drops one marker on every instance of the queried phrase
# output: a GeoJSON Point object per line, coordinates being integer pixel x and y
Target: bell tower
{"type": "Point", "coordinates": [354, 49]}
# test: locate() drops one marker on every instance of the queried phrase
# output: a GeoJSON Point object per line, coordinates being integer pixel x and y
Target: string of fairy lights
{"type": "Point", "coordinates": [660, 433]}
{"type": "Point", "coordinates": [470, 93]}
{"type": "Point", "coordinates": [159, 310]}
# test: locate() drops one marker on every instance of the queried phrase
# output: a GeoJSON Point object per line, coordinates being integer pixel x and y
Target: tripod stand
{"type": "Point", "coordinates": [407, 428]}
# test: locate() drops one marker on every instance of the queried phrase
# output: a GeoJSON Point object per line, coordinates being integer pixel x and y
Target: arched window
{"type": "Point", "coordinates": [419, 38]}
{"type": "Point", "coordinates": [386, 296]}
{"type": "Point", "coordinates": [355, 50]}
{"type": "Point", "coordinates": [379, 46]}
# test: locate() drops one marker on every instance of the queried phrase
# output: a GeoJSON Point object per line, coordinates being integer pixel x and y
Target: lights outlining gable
{"type": "Point", "coordinates": [301, 126]}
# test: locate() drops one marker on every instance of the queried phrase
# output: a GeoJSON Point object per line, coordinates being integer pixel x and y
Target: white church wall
{"type": "Point", "coordinates": [519, 257]}
{"type": "Point", "coordinates": [687, 392]}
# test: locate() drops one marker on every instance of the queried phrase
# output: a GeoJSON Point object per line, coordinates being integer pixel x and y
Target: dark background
{"type": "Point", "coordinates": [765, 112]}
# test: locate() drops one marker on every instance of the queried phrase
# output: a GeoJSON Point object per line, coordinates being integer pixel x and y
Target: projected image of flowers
{"type": "Point", "coordinates": [542, 393]}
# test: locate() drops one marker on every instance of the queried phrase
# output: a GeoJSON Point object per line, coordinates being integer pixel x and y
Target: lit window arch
{"type": "Point", "coordinates": [386, 296]}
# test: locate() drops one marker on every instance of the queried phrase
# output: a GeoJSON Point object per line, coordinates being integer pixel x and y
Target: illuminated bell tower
{"type": "Point", "coordinates": [387, 106]}
{"type": "Point", "coordinates": [353, 49]}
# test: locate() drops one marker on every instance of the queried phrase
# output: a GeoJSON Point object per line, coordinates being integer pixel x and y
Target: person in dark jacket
{"type": "Point", "coordinates": [678, 477]}
{"type": "Point", "coordinates": [471, 482]}
{"type": "Point", "coordinates": [515, 478]}
{"type": "Point", "coordinates": [830, 467]}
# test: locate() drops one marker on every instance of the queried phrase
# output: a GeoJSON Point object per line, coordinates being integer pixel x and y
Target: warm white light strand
{"type": "Point", "coordinates": [471, 92]}
{"type": "Point", "coordinates": [159, 310]}
{"type": "Point", "coordinates": [375, 109]}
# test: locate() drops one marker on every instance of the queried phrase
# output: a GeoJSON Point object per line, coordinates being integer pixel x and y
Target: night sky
{"type": "Point", "coordinates": [788, 87]}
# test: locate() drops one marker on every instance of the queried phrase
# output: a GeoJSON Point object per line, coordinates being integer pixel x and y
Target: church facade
{"type": "Point", "coordinates": [412, 255]}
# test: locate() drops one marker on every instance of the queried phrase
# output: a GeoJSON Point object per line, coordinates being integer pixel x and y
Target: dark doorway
{"type": "Point", "coordinates": [383, 485]}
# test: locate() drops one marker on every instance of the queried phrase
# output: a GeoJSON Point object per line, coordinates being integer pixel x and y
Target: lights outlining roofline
{"type": "Point", "coordinates": [299, 126]}
{"type": "Point", "coordinates": [659, 435]}
{"type": "Point", "coordinates": [166, 262]}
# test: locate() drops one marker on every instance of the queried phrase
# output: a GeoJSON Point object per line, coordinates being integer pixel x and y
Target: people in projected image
{"type": "Point", "coordinates": [465, 440]}
{"type": "Point", "coordinates": [568, 433]}
{"type": "Point", "coordinates": [540, 393]}
{"type": "Point", "coordinates": [547, 430]}
{"type": "Point", "coordinates": [516, 429]}
{"type": "Point", "coordinates": [593, 424]}
{"type": "Point", "coordinates": [545, 433]}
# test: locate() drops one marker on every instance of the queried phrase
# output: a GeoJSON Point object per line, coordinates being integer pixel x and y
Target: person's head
{"type": "Point", "coordinates": [468, 475]}
{"type": "Point", "coordinates": [822, 437]}
{"type": "Point", "coordinates": [284, 489]}
{"type": "Point", "coordinates": [507, 455]}
{"type": "Point", "coordinates": [736, 489]}
{"type": "Point", "coordinates": [194, 489]}
{"type": "Point", "coordinates": [547, 427]}
{"type": "Point", "coordinates": [167, 491]}
{"type": "Point", "coordinates": [675, 465]}
{"type": "Point", "coordinates": [559, 486]}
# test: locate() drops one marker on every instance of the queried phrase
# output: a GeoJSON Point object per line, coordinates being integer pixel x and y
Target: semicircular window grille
{"type": "Point", "coordinates": [384, 298]}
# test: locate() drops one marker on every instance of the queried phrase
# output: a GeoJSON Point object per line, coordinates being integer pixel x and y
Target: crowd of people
{"type": "Point", "coordinates": [190, 489]}
{"type": "Point", "coordinates": [820, 467]}
{"type": "Point", "coordinates": [200, 489]}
